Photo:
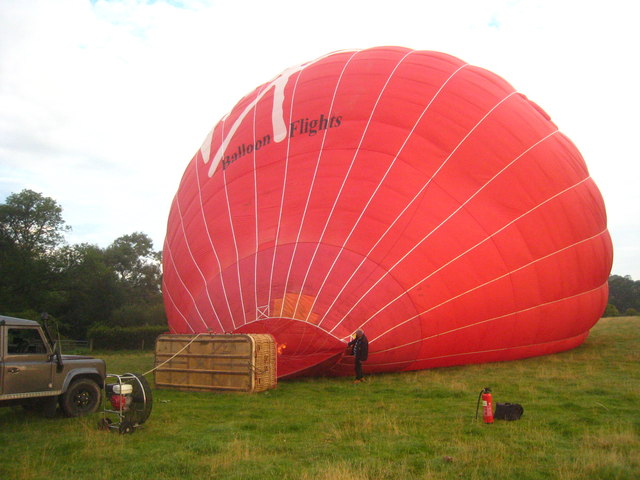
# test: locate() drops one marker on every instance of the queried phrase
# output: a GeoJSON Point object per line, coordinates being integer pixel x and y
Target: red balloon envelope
{"type": "Point", "coordinates": [403, 192]}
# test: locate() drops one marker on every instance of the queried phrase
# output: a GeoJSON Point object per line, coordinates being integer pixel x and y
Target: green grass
{"type": "Point", "coordinates": [581, 421]}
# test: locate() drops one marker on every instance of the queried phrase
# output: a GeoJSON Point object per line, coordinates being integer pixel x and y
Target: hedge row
{"type": "Point", "coordinates": [125, 338]}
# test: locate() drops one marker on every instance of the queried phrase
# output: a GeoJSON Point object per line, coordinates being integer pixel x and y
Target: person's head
{"type": "Point", "coordinates": [359, 333]}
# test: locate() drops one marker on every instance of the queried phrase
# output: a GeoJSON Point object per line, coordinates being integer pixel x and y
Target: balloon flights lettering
{"type": "Point", "coordinates": [302, 126]}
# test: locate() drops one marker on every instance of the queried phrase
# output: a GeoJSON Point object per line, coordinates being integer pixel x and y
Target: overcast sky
{"type": "Point", "coordinates": [103, 103]}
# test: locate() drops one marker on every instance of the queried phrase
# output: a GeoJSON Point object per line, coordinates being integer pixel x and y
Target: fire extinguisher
{"type": "Point", "coordinates": [487, 405]}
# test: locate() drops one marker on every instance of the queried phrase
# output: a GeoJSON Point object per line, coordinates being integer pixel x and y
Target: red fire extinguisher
{"type": "Point", "coordinates": [487, 405]}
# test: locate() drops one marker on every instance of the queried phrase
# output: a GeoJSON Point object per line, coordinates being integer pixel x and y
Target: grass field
{"type": "Point", "coordinates": [581, 421]}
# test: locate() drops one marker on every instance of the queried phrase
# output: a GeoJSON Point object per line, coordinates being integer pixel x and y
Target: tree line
{"type": "Point", "coordinates": [624, 296]}
{"type": "Point", "coordinates": [81, 286]}
{"type": "Point", "coordinates": [112, 292]}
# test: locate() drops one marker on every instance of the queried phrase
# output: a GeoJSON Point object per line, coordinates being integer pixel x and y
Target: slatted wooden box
{"type": "Point", "coordinates": [242, 363]}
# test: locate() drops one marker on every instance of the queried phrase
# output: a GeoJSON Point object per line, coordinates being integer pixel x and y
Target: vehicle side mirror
{"type": "Point", "coordinates": [56, 354]}
{"type": "Point", "coordinates": [52, 355]}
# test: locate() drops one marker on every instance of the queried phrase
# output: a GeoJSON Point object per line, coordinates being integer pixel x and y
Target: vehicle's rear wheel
{"type": "Point", "coordinates": [81, 398]}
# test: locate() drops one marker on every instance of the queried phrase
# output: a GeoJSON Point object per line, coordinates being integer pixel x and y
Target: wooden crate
{"type": "Point", "coordinates": [243, 363]}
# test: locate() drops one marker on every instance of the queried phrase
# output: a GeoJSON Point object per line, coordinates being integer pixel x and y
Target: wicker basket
{"type": "Point", "coordinates": [243, 363]}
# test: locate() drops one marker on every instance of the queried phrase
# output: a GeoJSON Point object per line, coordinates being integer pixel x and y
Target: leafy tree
{"type": "Point", "coordinates": [611, 311]}
{"type": "Point", "coordinates": [131, 315]}
{"type": "Point", "coordinates": [90, 289]}
{"type": "Point", "coordinates": [32, 222]}
{"type": "Point", "coordinates": [116, 286]}
{"type": "Point", "coordinates": [31, 228]}
{"type": "Point", "coordinates": [137, 267]}
{"type": "Point", "coordinates": [624, 293]}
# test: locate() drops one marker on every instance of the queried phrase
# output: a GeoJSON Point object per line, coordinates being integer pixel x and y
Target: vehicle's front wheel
{"type": "Point", "coordinates": [81, 398]}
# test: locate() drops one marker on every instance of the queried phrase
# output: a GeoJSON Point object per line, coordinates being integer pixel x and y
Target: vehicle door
{"type": "Point", "coordinates": [28, 365]}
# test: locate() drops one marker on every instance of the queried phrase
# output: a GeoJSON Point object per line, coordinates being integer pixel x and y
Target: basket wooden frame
{"type": "Point", "coordinates": [237, 362]}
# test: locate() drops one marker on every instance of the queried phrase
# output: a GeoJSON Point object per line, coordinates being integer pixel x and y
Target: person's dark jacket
{"type": "Point", "coordinates": [360, 348]}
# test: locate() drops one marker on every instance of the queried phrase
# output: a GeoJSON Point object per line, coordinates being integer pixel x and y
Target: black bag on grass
{"type": "Point", "coordinates": [508, 411]}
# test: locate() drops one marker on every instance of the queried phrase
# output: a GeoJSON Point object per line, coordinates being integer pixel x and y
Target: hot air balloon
{"type": "Point", "coordinates": [403, 192]}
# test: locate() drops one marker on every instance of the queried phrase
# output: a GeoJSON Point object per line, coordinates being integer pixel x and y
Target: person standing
{"type": "Point", "coordinates": [360, 346]}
